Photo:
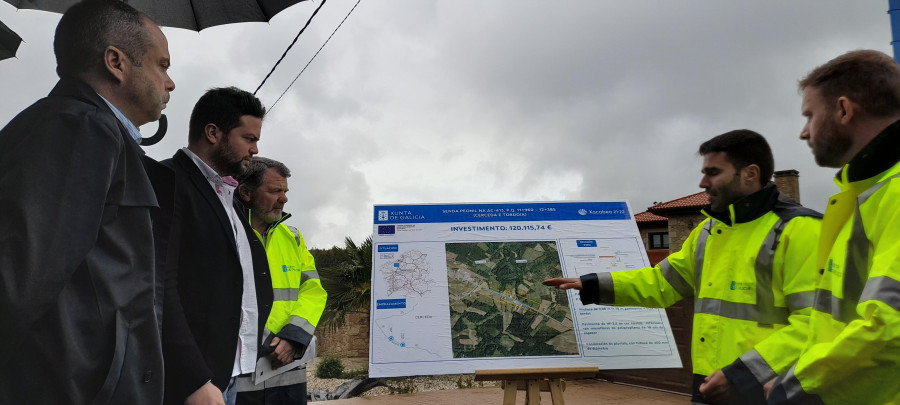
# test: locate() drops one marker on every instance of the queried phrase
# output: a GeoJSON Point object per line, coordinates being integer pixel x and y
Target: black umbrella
{"type": "Point", "coordinates": [9, 42]}
{"type": "Point", "coordinates": [189, 14]}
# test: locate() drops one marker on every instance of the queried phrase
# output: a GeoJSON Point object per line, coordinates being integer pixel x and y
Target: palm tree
{"type": "Point", "coordinates": [349, 284]}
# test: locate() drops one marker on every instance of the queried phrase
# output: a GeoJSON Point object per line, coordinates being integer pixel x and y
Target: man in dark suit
{"type": "Point", "coordinates": [77, 318]}
{"type": "Point", "coordinates": [222, 274]}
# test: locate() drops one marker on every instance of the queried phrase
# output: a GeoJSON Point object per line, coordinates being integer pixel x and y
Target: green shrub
{"type": "Point", "coordinates": [330, 367]}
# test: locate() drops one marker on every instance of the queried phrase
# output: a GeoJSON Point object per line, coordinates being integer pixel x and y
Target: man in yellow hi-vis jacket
{"type": "Point", "coordinates": [299, 296]}
{"type": "Point", "coordinates": [852, 355]}
{"type": "Point", "coordinates": [749, 267]}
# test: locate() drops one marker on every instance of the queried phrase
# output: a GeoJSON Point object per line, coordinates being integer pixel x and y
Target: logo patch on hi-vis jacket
{"type": "Point", "coordinates": [285, 268]}
{"type": "Point", "coordinates": [834, 268]}
{"type": "Point", "coordinates": [735, 286]}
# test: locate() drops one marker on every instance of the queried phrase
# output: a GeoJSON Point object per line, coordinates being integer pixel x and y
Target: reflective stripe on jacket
{"type": "Point", "coordinates": [853, 351]}
{"type": "Point", "coordinates": [745, 292]}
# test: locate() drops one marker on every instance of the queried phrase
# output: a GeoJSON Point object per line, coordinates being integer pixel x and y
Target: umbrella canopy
{"type": "Point", "coordinates": [188, 14]}
{"type": "Point", "coordinates": [9, 42]}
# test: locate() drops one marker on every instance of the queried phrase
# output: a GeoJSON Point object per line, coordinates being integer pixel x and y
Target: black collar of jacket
{"type": "Point", "coordinates": [272, 226]}
{"type": "Point", "coordinates": [750, 207]}
{"type": "Point", "coordinates": [284, 217]}
{"type": "Point", "coordinates": [77, 88]}
{"type": "Point", "coordinates": [196, 178]}
{"type": "Point", "coordinates": [73, 87]}
{"type": "Point", "coordinates": [880, 154]}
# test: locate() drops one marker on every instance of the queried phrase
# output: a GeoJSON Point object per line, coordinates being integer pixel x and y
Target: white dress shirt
{"type": "Point", "coordinates": [245, 357]}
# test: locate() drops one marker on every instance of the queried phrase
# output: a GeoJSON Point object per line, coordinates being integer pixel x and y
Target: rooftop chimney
{"type": "Point", "coordinates": [788, 183]}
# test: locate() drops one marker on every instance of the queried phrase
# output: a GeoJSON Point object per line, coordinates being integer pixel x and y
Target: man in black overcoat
{"type": "Point", "coordinates": [77, 318]}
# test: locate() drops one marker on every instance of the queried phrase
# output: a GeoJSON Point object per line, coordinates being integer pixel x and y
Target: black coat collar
{"type": "Point", "coordinates": [880, 154]}
{"type": "Point", "coordinates": [72, 87]}
{"type": "Point", "coordinates": [748, 208]}
{"type": "Point", "coordinates": [78, 89]}
{"type": "Point", "coordinates": [201, 184]}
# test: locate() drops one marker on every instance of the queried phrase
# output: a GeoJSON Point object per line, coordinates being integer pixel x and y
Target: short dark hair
{"type": "Point", "coordinates": [743, 148]}
{"type": "Point", "coordinates": [88, 27]}
{"type": "Point", "coordinates": [224, 107]}
{"type": "Point", "coordinates": [869, 78]}
{"type": "Point", "coordinates": [252, 178]}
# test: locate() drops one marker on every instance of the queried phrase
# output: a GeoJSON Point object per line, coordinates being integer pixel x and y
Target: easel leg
{"type": "Point", "coordinates": [534, 392]}
{"type": "Point", "coordinates": [556, 392]}
{"type": "Point", "coordinates": [509, 392]}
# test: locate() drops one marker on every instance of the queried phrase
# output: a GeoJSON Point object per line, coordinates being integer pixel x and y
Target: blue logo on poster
{"type": "Point", "coordinates": [388, 248]}
{"type": "Point", "coordinates": [586, 243]}
{"type": "Point", "coordinates": [386, 230]}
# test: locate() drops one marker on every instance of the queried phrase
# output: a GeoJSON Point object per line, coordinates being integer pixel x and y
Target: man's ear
{"type": "Point", "coordinates": [244, 193]}
{"type": "Point", "coordinates": [211, 132]}
{"type": "Point", "coordinates": [845, 110]}
{"type": "Point", "coordinates": [114, 63]}
{"type": "Point", "coordinates": [750, 174]}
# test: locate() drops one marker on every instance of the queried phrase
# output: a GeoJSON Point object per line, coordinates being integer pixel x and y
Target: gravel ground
{"type": "Point", "coordinates": [404, 385]}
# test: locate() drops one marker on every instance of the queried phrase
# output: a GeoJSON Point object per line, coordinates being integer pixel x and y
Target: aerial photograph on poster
{"type": "Point", "coordinates": [498, 307]}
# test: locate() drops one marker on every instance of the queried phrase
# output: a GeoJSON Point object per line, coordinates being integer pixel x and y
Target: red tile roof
{"type": "Point", "coordinates": [647, 217]}
{"type": "Point", "coordinates": [693, 201]}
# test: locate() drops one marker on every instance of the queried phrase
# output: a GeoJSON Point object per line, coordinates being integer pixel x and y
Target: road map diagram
{"type": "Point", "coordinates": [411, 304]}
{"type": "Point", "coordinates": [410, 275]}
{"type": "Point", "coordinates": [499, 308]}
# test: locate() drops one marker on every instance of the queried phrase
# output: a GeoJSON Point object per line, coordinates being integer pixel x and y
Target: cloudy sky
{"type": "Point", "coordinates": [417, 101]}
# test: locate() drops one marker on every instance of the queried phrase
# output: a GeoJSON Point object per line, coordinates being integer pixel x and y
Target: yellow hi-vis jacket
{"type": "Point", "coordinates": [852, 355]}
{"type": "Point", "coordinates": [299, 298]}
{"type": "Point", "coordinates": [751, 275]}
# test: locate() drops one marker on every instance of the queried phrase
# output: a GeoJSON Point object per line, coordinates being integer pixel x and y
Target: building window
{"type": "Point", "coordinates": [659, 240]}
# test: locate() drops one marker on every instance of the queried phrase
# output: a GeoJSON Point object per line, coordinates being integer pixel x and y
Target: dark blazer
{"type": "Point", "coordinates": [77, 320]}
{"type": "Point", "coordinates": [200, 333]}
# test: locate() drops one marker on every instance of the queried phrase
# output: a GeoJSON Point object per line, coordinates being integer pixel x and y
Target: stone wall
{"type": "Point", "coordinates": [350, 340]}
{"type": "Point", "coordinates": [680, 226]}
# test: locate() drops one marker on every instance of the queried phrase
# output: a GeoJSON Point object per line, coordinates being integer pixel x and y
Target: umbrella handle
{"type": "Point", "coordinates": [160, 132]}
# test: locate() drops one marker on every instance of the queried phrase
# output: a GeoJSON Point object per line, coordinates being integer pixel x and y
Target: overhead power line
{"type": "Point", "coordinates": [290, 46]}
{"type": "Point", "coordinates": [314, 56]}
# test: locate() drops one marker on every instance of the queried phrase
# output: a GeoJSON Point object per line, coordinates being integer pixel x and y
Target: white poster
{"type": "Point", "coordinates": [457, 288]}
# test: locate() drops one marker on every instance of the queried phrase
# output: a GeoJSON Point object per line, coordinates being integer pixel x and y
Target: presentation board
{"type": "Point", "coordinates": [457, 288]}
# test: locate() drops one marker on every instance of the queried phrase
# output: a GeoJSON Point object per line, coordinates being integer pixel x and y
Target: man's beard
{"type": "Point", "coordinates": [226, 160]}
{"type": "Point", "coordinates": [726, 195]}
{"type": "Point", "coordinates": [831, 144]}
{"type": "Point", "coordinates": [267, 217]}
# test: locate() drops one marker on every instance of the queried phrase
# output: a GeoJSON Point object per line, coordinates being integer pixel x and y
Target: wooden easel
{"type": "Point", "coordinates": [533, 381]}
